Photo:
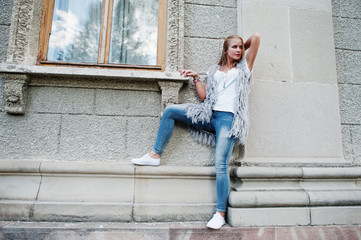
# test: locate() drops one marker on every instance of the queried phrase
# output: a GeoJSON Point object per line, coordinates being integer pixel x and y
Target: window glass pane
{"type": "Point", "coordinates": [134, 32]}
{"type": "Point", "coordinates": [75, 31]}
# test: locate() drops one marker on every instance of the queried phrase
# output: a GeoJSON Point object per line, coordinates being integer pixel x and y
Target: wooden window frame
{"type": "Point", "coordinates": [104, 42]}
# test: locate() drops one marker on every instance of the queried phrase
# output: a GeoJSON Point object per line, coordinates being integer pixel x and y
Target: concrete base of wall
{"type": "Point", "coordinates": [268, 196]}
{"type": "Point", "coordinates": [84, 191]}
{"type": "Point", "coordinates": [274, 196]}
{"type": "Point", "coordinates": [302, 216]}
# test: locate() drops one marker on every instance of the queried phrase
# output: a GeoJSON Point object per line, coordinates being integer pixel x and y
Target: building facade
{"type": "Point", "coordinates": [68, 131]}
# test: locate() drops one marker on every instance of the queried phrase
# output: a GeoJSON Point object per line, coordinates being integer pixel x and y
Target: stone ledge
{"type": "Point", "coordinates": [269, 187]}
{"type": "Point", "coordinates": [90, 73]}
{"type": "Point", "coordinates": [15, 166]}
{"type": "Point", "coordinates": [266, 172]}
{"type": "Point", "coordinates": [65, 211]}
{"type": "Point", "coordinates": [297, 172]}
{"type": "Point", "coordinates": [274, 198]}
{"type": "Point", "coordinates": [88, 191]}
{"type": "Point", "coordinates": [67, 191]}
{"type": "Point", "coordinates": [294, 162]}
{"type": "Point", "coordinates": [69, 167]}
{"type": "Point", "coordinates": [241, 217]}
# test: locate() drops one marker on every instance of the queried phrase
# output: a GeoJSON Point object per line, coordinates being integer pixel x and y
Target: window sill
{"type": "Point", "coordinates": [17, 78]}
{"type": "Point", "coordinates": [90, 72]}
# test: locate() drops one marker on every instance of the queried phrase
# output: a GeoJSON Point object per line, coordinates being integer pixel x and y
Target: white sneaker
{"type": "Point", "coordinates": [216, 222]}
{"type": "Point", "coordinates": [146, 160]}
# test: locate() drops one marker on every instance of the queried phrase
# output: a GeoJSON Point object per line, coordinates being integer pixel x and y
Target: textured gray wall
{"type": "Point", "coordinates": [207, 23]}
{"type": "Point", "coordinates": [5, 20]}
{"type": "Point", "coordinates": [81, 123]}
{"type": "Point", "coordinates": [86, 123]}
{"type": "Point", "coordinates": [347, 26]}
{"type": "Point", "coordinates": [76, 123]}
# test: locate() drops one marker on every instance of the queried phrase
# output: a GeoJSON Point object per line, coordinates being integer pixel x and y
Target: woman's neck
{"type": "Point", "coordinates": [227, 66]}
{"type": "Point", "coordinates": [230, 64]}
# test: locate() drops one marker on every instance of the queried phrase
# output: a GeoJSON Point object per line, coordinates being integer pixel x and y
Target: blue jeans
{"type": "Point", "coordinates": [221, 123]}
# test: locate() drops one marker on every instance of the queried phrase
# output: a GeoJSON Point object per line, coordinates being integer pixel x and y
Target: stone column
{"type": "Point", "coordinates": [170, 92]}
{"type": "Point", "coordinates": [294, 104]}
{"type": "Point", "coordinates": [296, 173]}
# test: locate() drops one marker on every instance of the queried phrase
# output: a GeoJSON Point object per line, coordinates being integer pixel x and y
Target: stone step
{"type": "Point", "coordinates": [98, 192]}
{"type": "Point", "coordinates": [174, 230]}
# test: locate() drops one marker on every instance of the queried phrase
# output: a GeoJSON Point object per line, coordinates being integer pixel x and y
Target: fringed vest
{"type": "Point", "coordinates": [203, 112]}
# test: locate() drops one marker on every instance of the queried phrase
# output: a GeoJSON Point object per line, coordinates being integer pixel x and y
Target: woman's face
{"type": "Point", "coordinates": [234, 51]}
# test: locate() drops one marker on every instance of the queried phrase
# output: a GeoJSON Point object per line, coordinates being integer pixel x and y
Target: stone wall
{"type": "Point", "coordinates": [69, 120]}
{"type": "Point", "coordinates": [5, 20]}
{"type": "Point", "coordinates": [107, 120]}
{"type": "Point", "coordinates": [81, 123]}
{"type": "Point", "coordinates": [78, 119]}
{"type": "Point", "coordinates": [207, 24]}
{"type": "Point", "coordinates": [202, 48]}
{"type": "Point", "coordinates": [347, 26]}
{"type": "Point", "coordinates": [67, 157]}
{"type": "Point", "coordinates": [294, 105]}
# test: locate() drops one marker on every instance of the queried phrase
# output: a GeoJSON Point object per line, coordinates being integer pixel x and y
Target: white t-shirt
{"type": "Point", "coordinates": [227, 89]}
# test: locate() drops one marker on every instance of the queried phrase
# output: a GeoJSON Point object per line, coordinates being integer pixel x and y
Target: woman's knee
{"type": "Point", "coordinates": [174, 109]}
{"type": "Point", "coordinates": [168, 110]}
{"type": "Point", "coordinates": [221, 168]}
{"type": "Point", "coordinates": [222, 160]}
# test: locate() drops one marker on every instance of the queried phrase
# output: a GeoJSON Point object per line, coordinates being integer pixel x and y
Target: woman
{"type": "Point", "coordinates": [222, 118]}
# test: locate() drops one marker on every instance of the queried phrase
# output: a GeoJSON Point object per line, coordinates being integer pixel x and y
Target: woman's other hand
{"type": "Point", "coordinates": [189, 73]}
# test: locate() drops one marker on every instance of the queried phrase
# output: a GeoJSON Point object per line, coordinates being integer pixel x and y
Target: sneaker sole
{"type": "Point", "coordinates": [214, 227]}
{"type": "Point", "coordinates": [145, 164]}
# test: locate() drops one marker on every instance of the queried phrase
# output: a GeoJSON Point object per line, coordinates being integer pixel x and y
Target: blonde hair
{"type": "Point", "coordinates": [223, 60]}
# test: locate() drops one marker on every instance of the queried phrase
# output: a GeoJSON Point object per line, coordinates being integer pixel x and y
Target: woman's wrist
{"type": "Point", "coordinates": [196, 79]}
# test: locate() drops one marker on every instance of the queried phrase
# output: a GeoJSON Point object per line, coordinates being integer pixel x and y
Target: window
{"type": "Point", "coordinates": [122, 33]}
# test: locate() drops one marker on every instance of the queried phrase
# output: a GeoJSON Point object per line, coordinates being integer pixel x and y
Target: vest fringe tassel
{"type": "Point", "coordinates": [203, 112]}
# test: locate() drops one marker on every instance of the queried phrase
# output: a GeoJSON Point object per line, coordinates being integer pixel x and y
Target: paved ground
{"type": "Point", "coordinates": [164, 231]}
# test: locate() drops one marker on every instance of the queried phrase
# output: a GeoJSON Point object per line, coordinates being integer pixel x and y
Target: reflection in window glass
{"type": "Point", "coordinates": [75, 31]}
{"type": "Point", "coordinates": [134, 32]}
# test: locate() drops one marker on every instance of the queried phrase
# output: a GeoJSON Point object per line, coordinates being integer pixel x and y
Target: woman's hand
{"type": "Point", "coordinates": [201, 90]}
{"type": "Point", "coordinates": [189, 73]}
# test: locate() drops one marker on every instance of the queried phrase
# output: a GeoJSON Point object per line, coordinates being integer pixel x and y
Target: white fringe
{"type": "Point", "coordinates": [203, 112]}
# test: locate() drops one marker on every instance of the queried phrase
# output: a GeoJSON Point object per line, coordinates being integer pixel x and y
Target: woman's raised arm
{"type": "Point", "coordinates": [252, 45]}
